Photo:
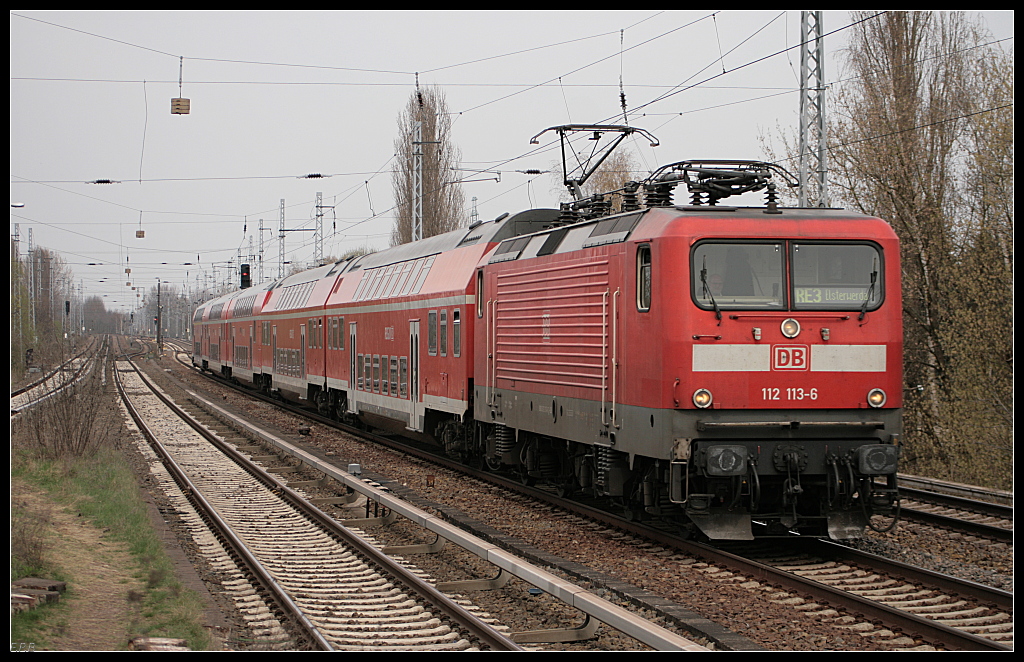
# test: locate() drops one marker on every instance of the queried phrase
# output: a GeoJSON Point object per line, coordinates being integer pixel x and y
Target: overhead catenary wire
{"type": "Point", "coordinates": [364, 182]}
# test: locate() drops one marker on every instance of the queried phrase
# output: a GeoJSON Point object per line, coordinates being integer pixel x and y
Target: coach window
{"type": "Point", "coordinates": [456, 334]}
{"type": "Point", "coordinates": [341, 333]}
{"type": "Point", "coordinates": [643, 278]}
{"type": "Point", "coordinates": [359, 371]}
{"type": "Point", "coordinates": [444, 333]}
{"type": "Point", "coordinates": [432, 333]}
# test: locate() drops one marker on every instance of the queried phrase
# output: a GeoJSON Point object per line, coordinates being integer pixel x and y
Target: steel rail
{"type": "Point", "coordinates": [998, 598]}
{"type": "Point", "coordinates": [901, 620]}
{"type": "Point", "coordinates": [960, 503]}
{"type": "Point", "coordinates": [465, 619]}
{"type": "Point", "coordinates": [596, 607]}
{"type": "Point", "coordinates": [209, 513]}
{"type": "Point", "coordinates": [907, 622]}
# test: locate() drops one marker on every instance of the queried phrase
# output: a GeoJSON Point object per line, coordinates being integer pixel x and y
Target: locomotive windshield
{"type": "Point", "coordinates": [836, 276]}
{"type": "Point", "coordinates": [749, 275]}
{"type": "Point", "coordinates": [739, 275]}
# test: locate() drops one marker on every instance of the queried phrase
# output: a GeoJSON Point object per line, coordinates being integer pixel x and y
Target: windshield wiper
{"type": "Point", "coordinates": [871, 289]}
{"type": "Point", "coordinates": [707, 290]}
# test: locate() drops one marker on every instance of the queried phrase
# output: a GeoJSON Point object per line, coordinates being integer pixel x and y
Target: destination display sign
{"type": "Point", "coordinates": [827, 295]}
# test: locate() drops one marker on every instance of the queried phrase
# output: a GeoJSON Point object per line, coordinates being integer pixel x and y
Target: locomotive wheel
{"type": "Point", "coordinates": [565, 489]}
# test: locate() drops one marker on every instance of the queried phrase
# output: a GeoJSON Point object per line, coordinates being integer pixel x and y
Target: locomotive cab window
{"type": "Point", "coordinates": [836, 276]}
{"type": "Point", "coordinates": [480, 293]}
{"type": "Point", "coordinates": [643, 278]}
{"type": "Point", "coordinates": [739, 275]}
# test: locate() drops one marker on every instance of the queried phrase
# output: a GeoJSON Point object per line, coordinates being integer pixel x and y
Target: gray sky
{"type": "Point", "coordinates": [278, 95]}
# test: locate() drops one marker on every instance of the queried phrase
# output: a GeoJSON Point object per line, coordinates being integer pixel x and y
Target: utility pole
{"type": "Point", "coordinates": [260, 264]}
{"type": "Point", "coordinates": [318, 236]}
{"type": "Point", "coordinates": [159, 321]}
{"type": "Point", "coordinates": [32, 280]}
{"type": "Point", "coordinates": [812, 112]}
{"type": "Point", "coordinates": [417, 173]}
{"type": "Point", "coordinates": [280, 245]}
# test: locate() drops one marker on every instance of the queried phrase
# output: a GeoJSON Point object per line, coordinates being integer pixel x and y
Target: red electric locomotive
{"type": "Point", "coordinates": [738, 369]}
{"type": "Point", "coordinates": [733, 369]}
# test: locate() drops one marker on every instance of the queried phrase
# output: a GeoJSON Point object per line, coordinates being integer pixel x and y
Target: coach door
{"type": "Point", "coordinates": [352, 367]}
{"type": "Point", "coordinates": [414, 376]}
{"type": "Point", "coordinates": [301, 372]}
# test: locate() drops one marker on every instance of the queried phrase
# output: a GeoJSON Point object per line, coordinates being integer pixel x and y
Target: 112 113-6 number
{"type": "Point", "coordinates": [793, 393]}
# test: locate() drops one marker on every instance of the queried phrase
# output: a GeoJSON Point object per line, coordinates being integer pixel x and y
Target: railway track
{"type": "Point", "coordinates": [65, 375]}
{"type": "Point", "coordinates": [596, 610]}
{"type": "Point", "coordinates": [938, 608]}
{"type": "Point", "coordinates": [911, 607]}
{"type": "Point", "coordinates": [987, 514]}
{"type": "Point", "coordinates": [340, 591]}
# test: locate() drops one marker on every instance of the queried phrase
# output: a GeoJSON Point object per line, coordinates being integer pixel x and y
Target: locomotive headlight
{"type": "Point", "coordinates": [702, 398]}
{"type": "Point", "coordinates": [873, 459]}
{"type": "Point", "coordinates": [876, 397]}
{"type": "Point", "coordinates": [790, 328]}
{"type": "Point", "coordinates": [727, 460]}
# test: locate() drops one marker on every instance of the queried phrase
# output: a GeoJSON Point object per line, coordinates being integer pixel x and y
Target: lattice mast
{"type": "Point", "coordinates": [813, 173]}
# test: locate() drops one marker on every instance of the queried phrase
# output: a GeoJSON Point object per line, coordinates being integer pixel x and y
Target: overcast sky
{"type": "Point", "coordinates": [278, 95]}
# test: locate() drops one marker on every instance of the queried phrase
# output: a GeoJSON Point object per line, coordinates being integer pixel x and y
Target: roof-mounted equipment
{"type": "Point", "coordinates": [710, 181]}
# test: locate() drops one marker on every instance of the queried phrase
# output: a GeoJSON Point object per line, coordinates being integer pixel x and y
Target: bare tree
{"type": "Point", "coordinates": [442, 198]}
{"type": "Point", "coordinates": [70, 423]}
{"type": "Point", "coordinates": [100, 320]}
{"type": "Point", "coordinates": [917, 141]}
{"type": "Point", "coordinates": [22, 331]}
{"type": "Point", "coordinates": [52, 278]}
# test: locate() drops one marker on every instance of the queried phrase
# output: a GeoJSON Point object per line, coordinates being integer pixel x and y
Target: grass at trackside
{"type": "Point", "coordinates": [103, 489]}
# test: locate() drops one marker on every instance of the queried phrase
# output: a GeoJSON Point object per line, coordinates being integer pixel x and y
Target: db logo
{"type": "Point", "coordinates": [790, 357]}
